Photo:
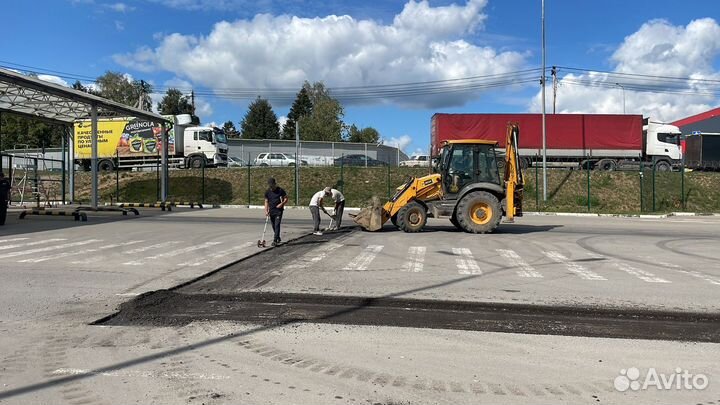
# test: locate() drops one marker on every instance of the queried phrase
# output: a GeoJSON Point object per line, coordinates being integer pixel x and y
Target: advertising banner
{"type": "Point", "coordinates": [123, 137]}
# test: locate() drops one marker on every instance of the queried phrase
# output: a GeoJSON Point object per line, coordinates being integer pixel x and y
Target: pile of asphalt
{"type": "Point", "coordinates": [222, 295]}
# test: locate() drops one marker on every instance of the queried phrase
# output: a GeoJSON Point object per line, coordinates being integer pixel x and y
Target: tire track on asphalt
{"type": "Point", "coordinates": [361, 374]}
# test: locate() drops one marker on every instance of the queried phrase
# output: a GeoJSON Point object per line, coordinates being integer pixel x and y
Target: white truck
{"type": "Point", "coordinates": [127, 143]}
{"type": "Point", "coordinates": [417, 161]}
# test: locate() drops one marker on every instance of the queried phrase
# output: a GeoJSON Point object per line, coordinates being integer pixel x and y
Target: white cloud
{"type": "Point", "coordinates": [281, 121]}
{"type": "Point", "coordinates": [120, 7]}
{"type": "Point", "coordinates": [422, 43]}
{"type": "Point", "coordinates": [658, 49]}
{"type": "Point", "coordinates": [400, 142]}
{"type": "Point", "coordinates": [119, 25]}
{"type": "Point", "coordinates": [53, 79]}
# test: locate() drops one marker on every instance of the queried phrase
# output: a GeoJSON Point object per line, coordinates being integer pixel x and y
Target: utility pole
{"type": "Point", "coordinates": [554, 79]}
{"type": "Point", "coordinates": [542, 82]}
{"type": "Point", "coordinates": [192, 101]}
{"type": "Point", "coordinates": [141, 95]}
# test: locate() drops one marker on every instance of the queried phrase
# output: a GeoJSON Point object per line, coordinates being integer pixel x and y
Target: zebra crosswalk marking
{"type": "Point", "coordinates": [48, 248]}
{"type": "Point", "coordinates": [573, 267]}
{"type": "Point", "coordinates": [415, 259]}
{"type": "Point", "coordinates": [465, 261]}
{"type": "Point", "coordinates": [363, 260]}
{"type": "Point", "coordinates": [22, 245]}
{"type": "Point", "coordinates": [526, 270]}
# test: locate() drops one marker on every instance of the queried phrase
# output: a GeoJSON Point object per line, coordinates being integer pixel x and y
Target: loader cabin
{"type": "Point", "coordinates": [464, 162]}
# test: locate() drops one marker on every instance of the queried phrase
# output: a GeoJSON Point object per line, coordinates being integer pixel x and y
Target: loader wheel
{"type": "Point", "coordinates": [393, 219]}
{"type": "Point", "coordinates": [479, 212]}
{"type": "Point", "coordinates": [454, 221]}
{"type": "Point", "coordinates": [412, 217]}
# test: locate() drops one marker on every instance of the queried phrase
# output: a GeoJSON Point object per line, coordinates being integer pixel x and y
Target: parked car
{"type": "Point", "coordinates": [358, 160]}
{"type": "Point", "coordinates": [234, 161]}
{"type": "Point", "coordinates": [417, 161]}
{"type": "Point", "coordinates": [277, 159]}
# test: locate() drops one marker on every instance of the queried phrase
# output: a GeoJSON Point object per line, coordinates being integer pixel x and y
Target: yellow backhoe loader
{"type": "Point", "coordinates": [466, 187]}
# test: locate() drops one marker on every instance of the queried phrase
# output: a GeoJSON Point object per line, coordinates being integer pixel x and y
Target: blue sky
{"type": "Point", "coordinates": [186, 43]}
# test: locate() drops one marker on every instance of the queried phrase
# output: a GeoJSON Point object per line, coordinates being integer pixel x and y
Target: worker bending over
{"type": "Point", "coordinates": [339, 200]}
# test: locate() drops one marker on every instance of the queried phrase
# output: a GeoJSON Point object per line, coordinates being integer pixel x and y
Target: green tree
{"type": "Point", "coordinates": [364, 135]}
{"type": "Point", "coordinates": [230, 130]}
{"type": "Point", "coordinates": [174, 103]}
{"type": "Point", "coordinates": [118, 87]}
{"type": "Point", "coordinates": [19, 132]}
{"type": "Point", "coordinates": [260, 122]}
{"type": "Point", "coordinates": [302, 107]}
{"type": "Point", "coordinates": [325, 122]}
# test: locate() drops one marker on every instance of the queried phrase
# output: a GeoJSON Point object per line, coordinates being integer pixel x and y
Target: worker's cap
{"type": "Point", "coordinates": [328, 190]}
{"type": "Point", "coordinates": [271, 181]}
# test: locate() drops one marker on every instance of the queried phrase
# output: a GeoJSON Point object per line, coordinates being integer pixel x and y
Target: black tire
{"type": "Point", "coordinates": [662, 166]}
{"type": "Point", "coordinates": [263, 164]}
{"type": "Point", "coordinates": [197, 162]}
{"type": "Point", "coordinates": [393, 219]}
{"type": "Point", "coordinates": [606, 165]}
{"type": "Point", "coordinates": [106, 165]}
{"type": "Point", "coordinates": [454, 221]}
{"type": "Point", "coordinates": [412, 217]}
{"type": "Point", "coordinates": [479, 212]}
{"type": "Point", "coordinates": [291, 164]}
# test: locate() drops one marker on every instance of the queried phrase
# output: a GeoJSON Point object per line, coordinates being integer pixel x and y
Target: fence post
{"type": "Point", "coordinates": [248, 179]}
{"type": "Point", "coordinates": [682, 182]}
{"type": "Point", "coordinates": [653, 188]}
{"type": "Point", "coordinates": [642, 175]}
{"type": "Point", "coordinates": [157, 177]}
{"type": "Point", "coordinates": [589, 205]}
{"type": "Point", "coordinates": [117, 177]}
{"type": "Point", "coordinates": [342, 181]}
{"type": "Point", "coordinates": [537, 187]}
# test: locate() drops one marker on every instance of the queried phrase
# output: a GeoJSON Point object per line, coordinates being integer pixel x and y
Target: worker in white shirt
{"type": "Point", "coordinates": [316, 204]}
{"type": "Point", "coordinates": [339, 200]}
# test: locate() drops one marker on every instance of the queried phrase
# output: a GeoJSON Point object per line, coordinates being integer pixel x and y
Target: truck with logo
{"type": "Point", "coordinates": [131, 143]}
{"type": "Point", "coordinates": [599, 141]}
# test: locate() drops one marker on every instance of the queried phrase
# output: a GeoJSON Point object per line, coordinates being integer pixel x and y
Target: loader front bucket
{"type": "Point", "coordinates": [370, 218]}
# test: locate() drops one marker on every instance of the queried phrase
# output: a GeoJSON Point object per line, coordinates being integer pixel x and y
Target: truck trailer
{"type": "Point", "coordinates": [604, 142]}
{"type": "Point", "coordinates": [131, 143]}
{"type": "Point", "coordinates": [702, 150]}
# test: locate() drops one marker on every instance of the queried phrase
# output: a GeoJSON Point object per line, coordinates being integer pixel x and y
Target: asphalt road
{"type": "Point", "coordinates": [49, 352]}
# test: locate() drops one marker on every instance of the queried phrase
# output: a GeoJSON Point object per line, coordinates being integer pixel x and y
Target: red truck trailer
{"type": "Point", "coordinates": [607, 142]}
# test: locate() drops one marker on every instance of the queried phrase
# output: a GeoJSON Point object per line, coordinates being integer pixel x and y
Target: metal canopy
{"type": "Point", "coordinates": [33, 97]}
{"type": "Point", "coordinates": [50, 102]}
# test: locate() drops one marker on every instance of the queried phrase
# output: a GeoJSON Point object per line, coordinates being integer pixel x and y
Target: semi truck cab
{"type": "Point", "coordinates": [662, 144]}
{"type": "Point", "coordinates": [207, 142]}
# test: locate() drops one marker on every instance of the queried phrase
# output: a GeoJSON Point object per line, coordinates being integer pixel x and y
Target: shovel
{"type": "Point", "coordinates": [261, 241]}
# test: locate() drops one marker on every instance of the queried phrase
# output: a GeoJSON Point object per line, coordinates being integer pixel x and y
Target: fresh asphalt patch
{"type": "Point", "coordinates": [223, 295]}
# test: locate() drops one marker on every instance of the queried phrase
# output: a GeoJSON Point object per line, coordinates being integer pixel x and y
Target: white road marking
{"type": "Point", "coordinates": [576, 268]}
{"type": "Point", "coordinates": [207, 258]}
{"type": "Point", "coordinates": [78, 252]}
{"type": "Point", "coordinates": [12, 240]}
{"type": "Point", "coordinates": [172, 253]}
{"type": "Point", "coordinates": [314, 256]}
{"type": "Point", "coordinates": [21, 245]}
{"type": "Point", "coordinates": [704, 277]}
{"type": "Point", "coordinates": [133, 294]}
{"type": "Point", "coordinates": [415, 259]}
{"type": "Point", "coordinates": [465, 261]}
{"type": "Point", "coordinates": [142, 374]}
{"type": "Point", "coordinates": [526, 269]}
{"type": "Point", "coordinates": [639, 273]}
{"type": "Point", "coordinates": [150, 247]}
{"type": "Point", "coordinates": [363, 260]}
{"type": "Point", "coordinates": [49, 248]}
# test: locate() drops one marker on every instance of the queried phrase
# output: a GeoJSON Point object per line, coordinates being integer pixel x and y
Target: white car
{"type": "Point", "coordinates": [417, 161]}
{"type": "Point", "coordinates": [277, 159]}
